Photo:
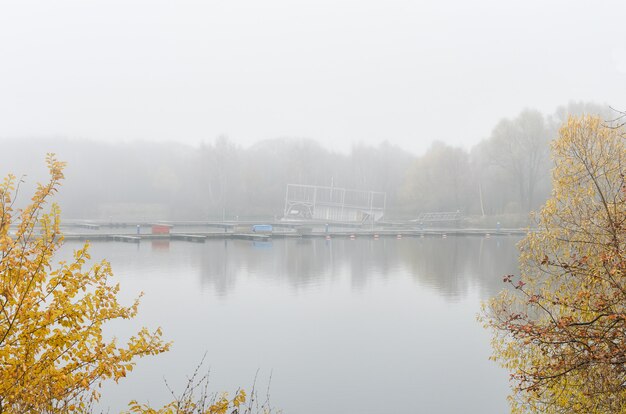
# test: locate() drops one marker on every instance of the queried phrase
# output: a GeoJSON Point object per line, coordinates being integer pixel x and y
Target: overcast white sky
{"type": "Point", "coordinates": [340, 72]}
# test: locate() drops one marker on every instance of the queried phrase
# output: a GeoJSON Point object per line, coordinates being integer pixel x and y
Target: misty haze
{"type": "Point", "coordinates": [312, 207]}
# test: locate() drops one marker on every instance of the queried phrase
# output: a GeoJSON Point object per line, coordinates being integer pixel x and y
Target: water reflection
{"type": "Point", "coordinates": [345, 325]}
{"type": "Point", "coordinates": [451, 266]}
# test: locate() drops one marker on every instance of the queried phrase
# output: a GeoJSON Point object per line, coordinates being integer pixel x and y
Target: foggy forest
{"type": "Point", "coordinates": [502, 178]}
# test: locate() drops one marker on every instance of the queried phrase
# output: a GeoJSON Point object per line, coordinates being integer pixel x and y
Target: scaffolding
{"type": "Point", "coordinates": [333, 204]}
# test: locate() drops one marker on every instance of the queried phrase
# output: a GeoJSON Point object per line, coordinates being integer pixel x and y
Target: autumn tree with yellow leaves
{"type": "Point", "coordinates": [560, 328]}
{"type": "Point", "coordinates": [53, 355]}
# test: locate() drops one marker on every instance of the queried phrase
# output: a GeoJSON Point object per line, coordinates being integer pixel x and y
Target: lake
{"type": "Point", "coordinates": [339, 326]}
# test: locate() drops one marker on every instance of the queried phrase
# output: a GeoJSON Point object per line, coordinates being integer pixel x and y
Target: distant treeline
{"type": "Point", "coordinates": [503, 177]}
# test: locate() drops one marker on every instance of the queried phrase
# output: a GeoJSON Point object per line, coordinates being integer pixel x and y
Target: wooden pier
{"type": "Point", "coordinates": [201, 231]}
{"type": "Point", "coordinates": [197, 238]}
{"type": "Point", "coordinates": [125, 238]}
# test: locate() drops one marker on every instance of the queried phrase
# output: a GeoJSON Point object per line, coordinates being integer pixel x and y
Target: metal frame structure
{"type": "Point", "coordinates": [333, 204]}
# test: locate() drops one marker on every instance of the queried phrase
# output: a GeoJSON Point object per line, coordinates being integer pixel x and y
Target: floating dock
{"type": "Point", "coordinates": [201, 231]}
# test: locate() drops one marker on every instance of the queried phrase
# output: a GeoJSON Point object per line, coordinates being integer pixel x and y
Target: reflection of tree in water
{"type": "Point", "coordinates": [299, 262]}
{"type": "Point", "coordinates": [216, 267]}
{"type": "Point", "coordinates": [452, 265]}
{"type": "Point", "coordinates": [455, 265]}
{"type": "Point", "coordinates": [366, 259]}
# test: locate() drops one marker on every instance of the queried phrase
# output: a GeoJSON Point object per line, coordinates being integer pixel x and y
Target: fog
{"type": "Point", "coordinates": [199, 110]}
{"type": "Point", "coordinates": [323, 190]}
{"type": "Point", "coordinates": [342, 73]}
{"type": "Point", "coordinates": [501, 178]}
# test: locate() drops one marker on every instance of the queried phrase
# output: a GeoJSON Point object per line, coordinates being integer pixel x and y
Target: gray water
{"type": "Point", "coordinates": [341, 326]}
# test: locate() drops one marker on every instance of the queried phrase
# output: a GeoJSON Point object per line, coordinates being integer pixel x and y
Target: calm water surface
{"type": "Point", "coordinates": [341, 326]}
